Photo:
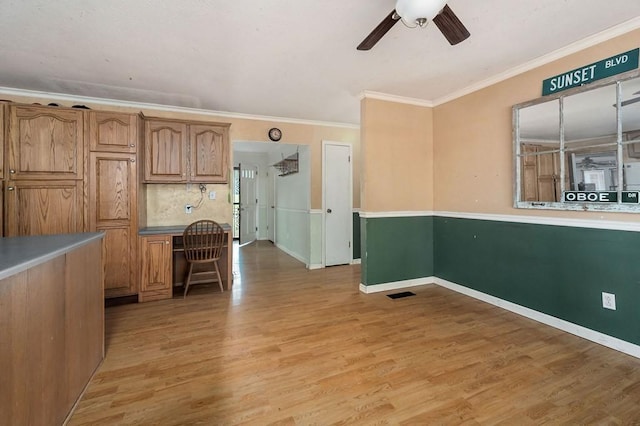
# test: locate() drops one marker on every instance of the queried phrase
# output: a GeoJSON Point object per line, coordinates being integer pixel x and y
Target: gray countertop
{"type": "Point", "coordinates": [172, 229]}
{"type": "Point", "coordinates": [18, 254]}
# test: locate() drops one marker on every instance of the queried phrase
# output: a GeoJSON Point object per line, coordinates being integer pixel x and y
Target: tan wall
{"type": "Point", "coordinates": [165, 203]}
{"type": "Point", "coordinates": [396, 157]}
{"type": "Point", "coordinates": [473, 140]}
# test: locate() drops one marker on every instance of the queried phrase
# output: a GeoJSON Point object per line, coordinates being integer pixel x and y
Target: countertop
{"type": "Point", "coordinates": [18, 254]}
{"type": "Point", "coordinates": [172, 229]}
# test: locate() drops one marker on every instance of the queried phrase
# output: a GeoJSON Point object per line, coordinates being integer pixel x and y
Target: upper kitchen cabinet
{"type": "Point", "coordinates": [209, 153]}
{"type": "Point", "coordinates": [45, 143]}
{"type": "Point", "coordinates": [113, 132]}
{"type": "Point", "coordinates": [183, 151]}
{"type": "Point", "coordinates": [165, 151]}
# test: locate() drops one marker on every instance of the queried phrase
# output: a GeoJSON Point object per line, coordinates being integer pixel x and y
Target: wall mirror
{"type": "Point", "coordinates": [580, 149]}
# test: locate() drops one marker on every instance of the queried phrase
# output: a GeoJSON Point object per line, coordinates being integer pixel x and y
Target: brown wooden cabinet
{"type": "Point", "coordinates": [44, 171]}
{"type": "Point", "coordinates": [113, 132]}
{"type": "Point", "coordinates": [165, 151]}
{"type": "Point", "coordinates": [113, 209]}
{"type": "Point", "coordinates": [179, 152]}
{"type": "Point", "coordinates": [43, 207]}
{"type": "Point", "coordinates": [2, 137]}
{"type": "Point", "coordinates": [156, 280]}
{"type": "Point", "coordinates": [45, 143]}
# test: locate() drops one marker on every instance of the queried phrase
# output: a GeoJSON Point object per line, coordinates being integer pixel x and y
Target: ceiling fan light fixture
{"type": "Point", "coordinates": [418, 12]}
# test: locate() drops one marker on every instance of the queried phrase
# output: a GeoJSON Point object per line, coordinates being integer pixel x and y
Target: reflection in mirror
{"type": "Point", "coordinates": [591, 135]}
{"type": "Point", "coordinates": [540, 151]}
{"type": "Point", "coordinates": [630, 117]}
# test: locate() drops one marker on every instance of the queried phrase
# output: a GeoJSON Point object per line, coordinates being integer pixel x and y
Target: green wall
{"type": "Point", "coordinates": [557, 270]}
{"type": "Point", "coordinates": [396, 249]}
{"type": "Point", "coordinates": [356, 235]}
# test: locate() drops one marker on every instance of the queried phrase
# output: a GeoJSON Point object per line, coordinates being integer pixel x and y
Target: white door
{"type": "Point", "coordinates": [271, 206]}
{"type": "Point", "coordinates": [248, 203]}
{"type": "Point", "coordinates": [337, 213]}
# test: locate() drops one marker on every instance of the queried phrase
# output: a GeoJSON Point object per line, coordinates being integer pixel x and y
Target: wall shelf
{"type": "Point", "coordinates": [288, 165]}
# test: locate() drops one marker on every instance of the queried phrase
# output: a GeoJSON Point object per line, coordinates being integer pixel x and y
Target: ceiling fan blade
{"type": "Point", "coordinates": [379, 31]}
{"type": "Point", "coordinates": [450, 26]}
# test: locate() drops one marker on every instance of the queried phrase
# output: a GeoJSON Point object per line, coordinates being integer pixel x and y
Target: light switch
{"type": "Point", "coordinates": [212, 195]}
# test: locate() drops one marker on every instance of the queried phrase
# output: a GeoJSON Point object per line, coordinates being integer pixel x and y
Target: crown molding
{"type": "Point", "coordinates": [590, 41]}
{"type": "Point", "coordinates": [395, 98]}
{"type": "Point", "coordinates": [51, 96]}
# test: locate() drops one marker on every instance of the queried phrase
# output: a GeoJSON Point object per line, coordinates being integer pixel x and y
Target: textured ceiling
{"type": "Point", "coordinates": [281, 58]}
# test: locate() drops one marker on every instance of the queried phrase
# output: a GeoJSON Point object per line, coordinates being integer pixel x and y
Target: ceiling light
{"type": "Point", "coordinates": [418, 12]}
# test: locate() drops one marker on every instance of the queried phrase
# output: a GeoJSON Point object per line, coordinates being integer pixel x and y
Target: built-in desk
{"type": "Point", "coordinates": [169, 239]}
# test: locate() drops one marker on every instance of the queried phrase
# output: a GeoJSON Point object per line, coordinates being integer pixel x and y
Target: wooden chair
{"type": "Point", "coordinates": [203, 242]}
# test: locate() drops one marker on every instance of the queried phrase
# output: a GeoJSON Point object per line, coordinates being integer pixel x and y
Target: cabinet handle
{"type": "Point", "coordinates": [132, 145]}
{"type": "Point", "coordinates": [166, 242]}
{"type": "Point", "coordinates": [12, 171]}
{"type": "Point", "coordinates": [133, 160]}
{"type": "Point", "coordinates": [10, 188]}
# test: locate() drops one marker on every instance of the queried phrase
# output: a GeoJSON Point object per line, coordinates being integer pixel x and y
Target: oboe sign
{"type": "Point", "coordinates": [617, 64]}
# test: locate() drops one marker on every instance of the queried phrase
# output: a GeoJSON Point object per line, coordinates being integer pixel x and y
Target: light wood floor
{"type": "Point", "coordinates": [290, 346]}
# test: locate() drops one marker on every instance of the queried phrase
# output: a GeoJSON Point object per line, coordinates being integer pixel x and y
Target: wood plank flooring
{"type": "Point", "coordinates": [288, 346]}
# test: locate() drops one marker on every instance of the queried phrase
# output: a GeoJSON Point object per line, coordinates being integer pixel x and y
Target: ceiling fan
{"type": "Point", "coordinates": [418, 13]}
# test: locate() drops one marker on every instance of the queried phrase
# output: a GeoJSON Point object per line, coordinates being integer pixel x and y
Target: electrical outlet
{"type": "Point", "coordinates": [188, 209]}
{"type": "Point", "coordinates": [609, 301]}
{"type": "Point", "coordinates": [212, 195]}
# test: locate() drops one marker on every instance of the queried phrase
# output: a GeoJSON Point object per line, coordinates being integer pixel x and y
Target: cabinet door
{"type": "Point", "coordinates": [119, 261]}
{"type": "Point", "coordinates": [156, 275]}
{"type": "Point", "coordinates": [45, 143]}
{"type": "Point", "coordinates": [43, 208]}
{"type": "Point", "coordinates": [209, 159]}
{"type": "Point", "coordinates": [2, 144]}
{"type": "Point", "coordinates": [113, 206]}
{"type": "Point", "coordinates": [165, 151]}
{"type": "Point", "coordinates": [113, 132]}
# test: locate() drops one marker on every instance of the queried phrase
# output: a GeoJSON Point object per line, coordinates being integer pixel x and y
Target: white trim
{"type": "Point", "coordinates": [609, 225]}
{"type": "Point", "coordinates": [286, 209]}
{"type": "Point", "coordinates": [367, 94]}
{"type": "Point", "coordinates": [315, 211]}
{"type": "Point", "coordinates": [582, 44]}
{"type": "Point", "coordinates": [395, 285]}
{"type": "Point", "coordinates": [315, 266]}
{"type": "Point", "coordinates": [356, 209]}
{"type": "Point", "coordinates": [543, 220]}
{"type": "Point", "coordinates": [577, 330]}
{"type": "Point", "coordinates": [395, 214]}
{"type": "Point", "coordinates": [51, 96]}
{"type": "Point", "coordinates": [357, 261]}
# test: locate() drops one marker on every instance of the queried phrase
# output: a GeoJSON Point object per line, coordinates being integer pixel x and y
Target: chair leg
{"type": "Point", "coordinates": [188, 280]}
{"type": "Point", "coordinates": [218, 274]}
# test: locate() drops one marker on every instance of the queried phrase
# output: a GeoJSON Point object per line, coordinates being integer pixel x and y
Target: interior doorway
{"type": "Point", "coordinates": [248, 203]}
{"type": "Point", "coordinates": [337, 203]}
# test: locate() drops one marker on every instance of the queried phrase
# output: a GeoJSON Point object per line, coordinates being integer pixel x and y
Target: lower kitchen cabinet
{"type": "Point", "coordinates": [156, 277]}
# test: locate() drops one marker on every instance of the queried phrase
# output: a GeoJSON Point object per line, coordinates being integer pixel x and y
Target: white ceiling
{"type": "Point", "coordinates": [280, 58]}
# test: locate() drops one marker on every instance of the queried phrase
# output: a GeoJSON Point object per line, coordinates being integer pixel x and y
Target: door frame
{"type": "Point", "coordinates": [271, 200]}
{"type": "Point", "coordinates": [324, 207]}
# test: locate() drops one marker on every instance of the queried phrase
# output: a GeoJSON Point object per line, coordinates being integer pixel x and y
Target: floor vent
{"type": "Point", "coordinates": [399, 295]}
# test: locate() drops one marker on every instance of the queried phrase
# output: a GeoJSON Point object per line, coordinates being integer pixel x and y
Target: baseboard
{"type": "Point", "coordinates": [315, 266]}
{"type": "Point", "coordinates": [355, 261]}
{"type": "Point", "coordinates": [577, 330]}
{"type": "Point", "coordinates": [292, 254]}
{"type": "Point", "coordinates": [376, 288]}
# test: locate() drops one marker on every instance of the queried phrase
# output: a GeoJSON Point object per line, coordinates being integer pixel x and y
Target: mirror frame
{"type": "Point", "coordinates": [616, 80]}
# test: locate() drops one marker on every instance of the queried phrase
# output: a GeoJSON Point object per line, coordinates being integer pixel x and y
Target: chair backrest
{"type": "Point", "coordinates": [203, 241]}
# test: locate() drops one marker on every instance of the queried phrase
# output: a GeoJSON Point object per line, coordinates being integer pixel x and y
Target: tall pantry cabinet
{"type": "Point", "coordinates": [113, 196]}
{"type": "Point", "coordinates": [44, 171]}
